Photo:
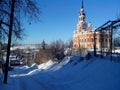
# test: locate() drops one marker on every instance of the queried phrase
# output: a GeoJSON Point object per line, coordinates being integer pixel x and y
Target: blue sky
{"type": "Point", "coordinates": [60, 17]}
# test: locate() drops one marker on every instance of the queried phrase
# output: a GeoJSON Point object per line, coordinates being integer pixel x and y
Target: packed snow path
{"type": "Point", "coordinates": [29, 83]}
{"type": "Point", "coordinates": [69, 74]}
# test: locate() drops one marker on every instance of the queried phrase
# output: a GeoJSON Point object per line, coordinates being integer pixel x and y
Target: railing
{"type": "Point", "coordinates": [109, 26]}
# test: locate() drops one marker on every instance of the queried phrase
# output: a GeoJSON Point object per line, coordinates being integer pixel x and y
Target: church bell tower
{"type": "Point", "coordinates": [81, 26]}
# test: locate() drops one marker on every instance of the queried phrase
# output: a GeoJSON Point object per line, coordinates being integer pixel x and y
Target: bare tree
{"type": "Point", "coordinates": [11, 13]}
{"type": "Point", "coordinates": [23, 9]}
{"type": "Point", "coordinates": [57, 46]}
{"type": "Point", "coordinates": [43, 56]}
{"type": "Point", "coordinates": [52, 51]}
{"type": "Point", "coordinates": [69, 43]}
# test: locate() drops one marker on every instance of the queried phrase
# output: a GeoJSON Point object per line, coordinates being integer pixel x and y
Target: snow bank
{"type": "Point", "coordinates": [93, 74]}
{"type": "Point", "coordinates": [46, 65]}
{"type": "Point", "coordinates": [21, 71]}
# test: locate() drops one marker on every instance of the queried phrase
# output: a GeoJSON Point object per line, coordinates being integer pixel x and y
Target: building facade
{"type": "Point", "coordinates": [83, 37]}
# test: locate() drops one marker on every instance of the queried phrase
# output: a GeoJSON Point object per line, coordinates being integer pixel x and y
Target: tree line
{"type": "Point", "coordinates": [53, 51]}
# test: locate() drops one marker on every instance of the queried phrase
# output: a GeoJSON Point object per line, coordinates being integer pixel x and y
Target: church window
{"type": "Point", "coordinates": [92, 40]}
{"type": "Point", "coordinates": [106, 40]}
{"type": "Point", "coordinates": [88, 39]}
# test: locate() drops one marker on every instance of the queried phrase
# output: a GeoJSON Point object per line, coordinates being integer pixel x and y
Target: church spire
{"type": "Point", "coordinates": [82, 9]}
{"type": "Point", "coordinates": [82, 4]}
{"type": "Point", "coordinates": [82, 13]}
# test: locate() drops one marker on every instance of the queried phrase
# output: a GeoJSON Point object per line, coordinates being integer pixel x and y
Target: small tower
{"type": "Point", "coordinates": [89, 27]}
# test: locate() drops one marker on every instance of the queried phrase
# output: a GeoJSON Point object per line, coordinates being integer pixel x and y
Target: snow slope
{"type": "Point", "coordinates": [69, 74]}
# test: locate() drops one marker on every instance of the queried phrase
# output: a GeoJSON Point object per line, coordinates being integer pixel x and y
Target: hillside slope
{"type": "Point", "coordinates": [69, 74]}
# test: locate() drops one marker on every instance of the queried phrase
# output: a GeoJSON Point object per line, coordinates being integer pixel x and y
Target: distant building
{"type": "Point", "coordinates": [83, 37]}
{"type": "Point", "coordinates": [26, 46]}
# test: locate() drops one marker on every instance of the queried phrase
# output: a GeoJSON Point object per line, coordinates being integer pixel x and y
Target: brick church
{"type": "Point", "coordinates": [83, 37]}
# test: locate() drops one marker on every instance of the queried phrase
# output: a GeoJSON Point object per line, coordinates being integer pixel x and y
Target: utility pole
{"type": "Point", "coordinates": [9, 41]}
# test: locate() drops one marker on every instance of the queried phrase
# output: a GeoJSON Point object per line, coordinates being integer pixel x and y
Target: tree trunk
{"type": "Point", "coordinates": [9, 41]}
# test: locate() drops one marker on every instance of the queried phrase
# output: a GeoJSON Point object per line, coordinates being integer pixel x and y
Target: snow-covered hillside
{"type": "Point", "coordinates": [69, 74]}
